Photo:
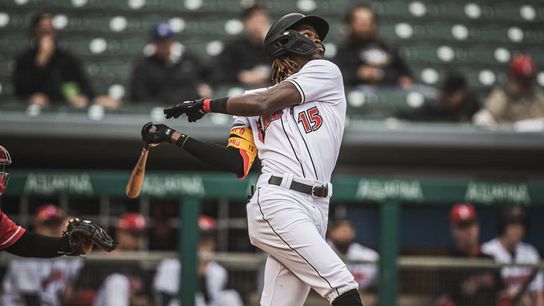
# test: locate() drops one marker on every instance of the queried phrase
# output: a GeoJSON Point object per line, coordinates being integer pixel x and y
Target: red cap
{"type": "Point", "coordinates": [462, 212]}
{"type": "Point", "coordinates": [48, 212]}
{"type": "Point", "coordinates": [523, 66]}
{"type": "Point", "coordinates": [206, 223]}
{"type": "Point", "coordinates": [131, 222]}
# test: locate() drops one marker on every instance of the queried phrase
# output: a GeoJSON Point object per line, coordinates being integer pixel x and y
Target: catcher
{"type": "Point", "coordinates": [78, 238]}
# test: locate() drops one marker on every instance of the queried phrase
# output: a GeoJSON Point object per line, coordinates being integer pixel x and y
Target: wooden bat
{"type": "Point", "coordinates": [136, 180]}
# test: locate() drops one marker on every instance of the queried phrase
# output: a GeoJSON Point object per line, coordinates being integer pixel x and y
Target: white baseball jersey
{"type": "Point", "coordinates": [303, 139]}
{"type": "Point", "coordinates": [515, 277]}
{"type": "Point", "coordinates": [167, 280]}
{"type": "Point", "coordinates": [365, 274]}
{"type": "Point", "coordinates": [115, 291]}
{"type": "Point", "coordinates": [45, 278]}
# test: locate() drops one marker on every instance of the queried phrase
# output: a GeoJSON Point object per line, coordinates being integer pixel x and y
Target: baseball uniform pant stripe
{"type": "Point", "coordinates": [293, 148]}
{"type": "Point", "coordinates": [289, 246]}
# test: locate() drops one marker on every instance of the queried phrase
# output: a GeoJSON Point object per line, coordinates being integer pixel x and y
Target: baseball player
{"type": "Point", "coordinates": [296, 127]}
{"type": "Point", "coordinates": [213, 277]}
{"type": "Point", "coordinates": [507, 248]}
{"type": "Point", "coordinates": [78, 239]}
{"type": "Point", "coordinates": [341, 237]}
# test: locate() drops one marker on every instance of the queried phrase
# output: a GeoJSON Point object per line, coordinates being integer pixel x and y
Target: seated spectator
{"type": "Point", "coordinates": [169, 72]}
{"type": "Point", "coordinates": [474, 286]}
{"type": "Point", "coordinates": [366, 59]}
{"type": "Point", "coordinates": [341, 236]}
{"type": "Point", "coordinates": [213, 277]}
{"type": "Point", "coordinates": [455, 103]}
{"type": "Point", "coordinates": [40, 281]}
{"type": "Point", "coordinates": [243, 59]}
{"type": "Point", "coordinates": [46, 74]}
{"type": "Point", "coordinates": [516, 100]}
{"type": "Point", "coordinates": [525, 286]}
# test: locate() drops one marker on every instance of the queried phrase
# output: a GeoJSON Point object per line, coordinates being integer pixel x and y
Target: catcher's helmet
{"type": "Point", "coordinates": [5, 160]}
{"type": "Point", "coordinates": [282, 39]}
{"type": "Point", "coordinates": [512, 215]}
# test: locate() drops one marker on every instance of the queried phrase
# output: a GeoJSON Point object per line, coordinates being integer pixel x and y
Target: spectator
{"type": "Point", "coordinates": [516, 100]}
{"type": "Point", "coordinates": [365, 58]}
{"type": "Point", "coordinates": [243, 59]}
{"type": "Point", "coordinates": [126, 285]}
{"type": "Point", "coordinates": [30, 282]}
{"type": "Point", "coordinates": [46, 74]}
{"type": "Point", "coordinates": [341, 236]}
{"type": "Point", "coordinates": [169, 71]}
{"type": "Point", "coordinates": [455, 103]}
{"type": "Point", "coordinates": [525, 286]}
{"type": "Point", "coordinates": [213, 277]}
{"type": "Point", "coordinates": [460, 287]}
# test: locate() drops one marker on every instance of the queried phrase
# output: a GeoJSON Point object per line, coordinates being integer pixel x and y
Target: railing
{"type": "Point", "coordinates": [191, 188]}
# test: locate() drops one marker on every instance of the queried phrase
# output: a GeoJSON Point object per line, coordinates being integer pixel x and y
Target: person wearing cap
{"type": "Point", "coordinates": [520, 98]}
{"type": "Point", "coordinates": [455, 102]}
{"type": "Point", "coordinates": [169, 70]}
{"type": "Point", "coordinates": [242, 60]}
{"type": "Point", "coordinates": [341, 237]}
{"type": "Point", "coordinates": [123, 284]}
{"type": "Point", "coordinates": [485, 284]}
{"type": "Point", "coordinates": [40, 281]}
{"type": "Point", "coordinates": [364, 58]}
{"type": "Point", "coordinates": [213, 277]}
{"type": "Point", "coordinates": [523, 283]}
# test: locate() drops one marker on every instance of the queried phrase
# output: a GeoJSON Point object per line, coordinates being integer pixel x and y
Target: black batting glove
{"type": "Point", "coordinates": [193, 109]}
{"type": "Point", "coordinates": [156, 133]}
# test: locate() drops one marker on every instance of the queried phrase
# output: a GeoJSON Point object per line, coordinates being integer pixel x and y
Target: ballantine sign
{"type": "Point", "coordinates": [43, 183]}
{"type": "Point", "coordinates": [392, 189]}
{"type": "Point", "coordinates": [497, 192]}
{"type": "Point", "coordinates": [158, 185]}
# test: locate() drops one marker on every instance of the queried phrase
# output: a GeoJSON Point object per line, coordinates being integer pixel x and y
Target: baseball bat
{"type": "Point", "coordinates": [136, 180]}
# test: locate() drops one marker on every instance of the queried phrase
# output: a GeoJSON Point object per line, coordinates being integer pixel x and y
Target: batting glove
{"type": "Point", "coordinates": [156, 133]}
{"type": "Point", "coordinates": [193, 109]}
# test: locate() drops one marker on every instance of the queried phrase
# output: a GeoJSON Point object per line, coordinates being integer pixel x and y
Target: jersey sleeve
{"type": "Point", "coordinates": [319, 80]}
{"type": "Point", "coordinates": [9, 231]}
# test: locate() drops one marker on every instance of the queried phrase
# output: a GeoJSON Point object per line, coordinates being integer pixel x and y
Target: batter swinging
{"type": "Point", "coordinates": [296, 128]}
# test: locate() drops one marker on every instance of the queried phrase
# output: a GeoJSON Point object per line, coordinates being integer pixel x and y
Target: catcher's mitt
{"type": "Point", "coordinates": [82, 234]}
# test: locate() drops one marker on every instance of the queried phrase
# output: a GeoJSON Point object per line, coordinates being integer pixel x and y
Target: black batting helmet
{"type": "Point", "coordinates": [282, 39]}
{"type": "Point", "coordinates": [512, 215]}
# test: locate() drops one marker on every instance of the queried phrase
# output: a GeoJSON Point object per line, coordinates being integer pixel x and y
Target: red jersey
{"type": "Point", "coordinates": [9, 231]}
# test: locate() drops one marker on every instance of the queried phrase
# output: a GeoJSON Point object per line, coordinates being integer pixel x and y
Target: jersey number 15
{"type": "Point", "coordinates": [310, 119]}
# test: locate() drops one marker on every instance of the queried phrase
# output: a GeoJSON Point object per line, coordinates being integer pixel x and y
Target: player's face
{"type": "Point", "coordinates": [342, 235]}
{"type": "Point", "coordinates": [130, 240]}
{"type": "Point", "coordinates": [466, 235]}
{"type": "Point", "coordinates": [309, 32]}
{"type": "Point", "coordinates": [514, 232]}
{"type": "Point", "coordinates": [257, 24]}
{"type": "Point", "coordinates": [44, 28]}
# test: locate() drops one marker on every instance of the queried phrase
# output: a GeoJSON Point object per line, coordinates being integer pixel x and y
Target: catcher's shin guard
{"type": "Point", "coordinates": [348, 298]}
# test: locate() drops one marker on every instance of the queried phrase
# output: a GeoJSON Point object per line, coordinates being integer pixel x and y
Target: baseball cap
{"type": "Point", "coordinates": [523, 66]}
{"type": "Point", "coordinates": [206, 223]}
{"type": "Point", "coordinates": [162, 30]}
{"type": "Point", "coordinates": [131, 222]}
{"type": "Point", "coordinates": [48, 212]}
{"type": "Point", "coordinates": [462, 213]}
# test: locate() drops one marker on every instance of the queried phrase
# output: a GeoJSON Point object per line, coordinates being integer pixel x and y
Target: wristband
{"type": "Point", "coordinates": [181, 140]}
{"type": "Point", "coordinates": [215, 105]}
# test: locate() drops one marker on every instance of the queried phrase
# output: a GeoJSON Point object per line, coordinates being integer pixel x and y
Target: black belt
{"type": "Point", "coordinates": [316, 191]}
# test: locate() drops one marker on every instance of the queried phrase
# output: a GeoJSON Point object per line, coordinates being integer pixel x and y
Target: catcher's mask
{"type": "Point", "coordinates": [5, 160]}
{"type": "Point", "coordinates": [282, 39]}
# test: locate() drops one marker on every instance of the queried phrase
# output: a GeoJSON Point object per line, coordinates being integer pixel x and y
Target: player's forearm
{"type": "Point", "coordinates": [227, 159]}
{"type": "Point", "coordinates": [35, 245]}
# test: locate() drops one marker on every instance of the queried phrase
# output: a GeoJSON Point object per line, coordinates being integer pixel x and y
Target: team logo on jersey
{"type": "Point", "coordinates": [265, 121]}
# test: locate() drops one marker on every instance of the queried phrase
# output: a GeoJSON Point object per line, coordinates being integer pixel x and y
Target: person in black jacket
{"type": "Point", "coordinates": [366, 59]}
{"type": "Point", "coordinates": [46, 74]}
{"type": "Point", "coordinates": [243, 59]}
{"type": "Point", "coordinates": [169, 72]}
